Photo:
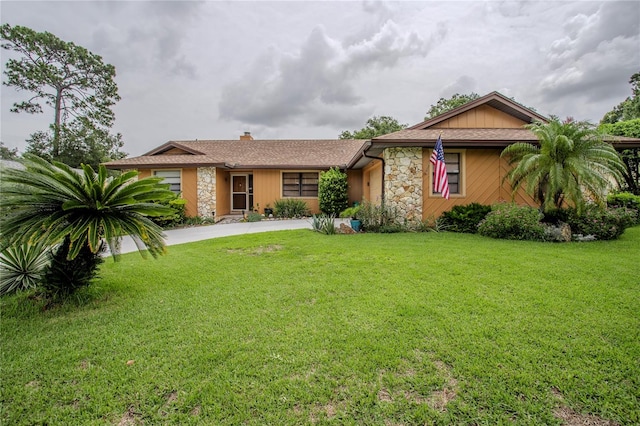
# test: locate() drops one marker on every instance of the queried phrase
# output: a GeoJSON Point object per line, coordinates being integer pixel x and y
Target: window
{"type": "Point", "coordinates": [453, 161]}
{"type": "Point", "coordinates": [172, 177]}
{"type": "Point", "coordinates": [300, 184]}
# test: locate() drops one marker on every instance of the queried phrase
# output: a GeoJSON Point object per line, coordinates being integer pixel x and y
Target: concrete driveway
{"type": "Point", "coordinates": [198, 233]}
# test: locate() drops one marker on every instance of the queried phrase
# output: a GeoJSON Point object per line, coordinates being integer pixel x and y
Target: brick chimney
{"type": "Point", "coordinates": [246, 137]}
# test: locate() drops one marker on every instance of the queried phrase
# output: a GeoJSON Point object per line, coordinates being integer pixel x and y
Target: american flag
{"type": "Point", "coordinates": [440, 181]}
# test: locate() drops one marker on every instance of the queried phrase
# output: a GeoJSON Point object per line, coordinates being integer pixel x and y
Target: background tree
{"type": "Point", "coordinates": [447, 104]}
{"type": "Point", "coordinates": [624, 120]}
{"type": "Point", "coordinates": [571, 163]}
{"type": "Point", "coordinates": [76, 83]}
{"type": "Point", "coordinates": [630, 157]}
{"type": "Point", "coordinates": [376, 126]}
{"type": "Point", "coordinates": [79, 144]}
{"type": "Point", "coordinates": [629, 108]}
{"type": "Point", "coordinates": [77, 212]}
{"type": "Point", "coordinates": [8, 153]}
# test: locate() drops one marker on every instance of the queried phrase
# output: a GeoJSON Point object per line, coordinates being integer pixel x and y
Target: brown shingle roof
{"type": "Point", "coordinates": [257, 153]}
{"type": "Point", "coordinates": [473, 137]}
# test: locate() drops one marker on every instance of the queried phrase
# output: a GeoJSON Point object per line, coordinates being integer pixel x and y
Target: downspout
{"type": "Point", "coordinates": [364, 154]}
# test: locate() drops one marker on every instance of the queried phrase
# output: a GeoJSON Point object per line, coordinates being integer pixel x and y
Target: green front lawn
{"type": "Point", "coordinates": [296, 327]}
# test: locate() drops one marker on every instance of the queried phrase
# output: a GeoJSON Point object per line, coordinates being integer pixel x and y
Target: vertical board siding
{"type": "Point", "coordinates": [266, 187]}
{"type": "Point", "coordinates": [189, 189]}
{"type": "Point", "coordinates": [484, 117]}
{"type": "Point", "coordinates": [372, 182]}
{"type": "Point", "coordinates": [223, 194]}
{"type": "Point", "coordinates": [355, 185]}
{"type": "Point", "coordinates": [144, 173]}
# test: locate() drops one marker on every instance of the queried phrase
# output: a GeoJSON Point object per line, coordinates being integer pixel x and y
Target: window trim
{"type": "Point", "coordinates": [153, 174]}
{"type": "Point", "coordinates": [299, 172]}
{"type": "Point", "coordinates": [462, 175]}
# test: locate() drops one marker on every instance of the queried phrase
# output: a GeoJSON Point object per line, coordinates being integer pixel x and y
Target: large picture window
{"type": "Point", "coordinates": [172, 177]}
{"type": "Point", "coordinates": [300, 184]}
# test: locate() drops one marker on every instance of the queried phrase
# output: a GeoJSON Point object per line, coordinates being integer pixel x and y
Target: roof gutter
{"type": "Point", "coordinates": [364, 154]}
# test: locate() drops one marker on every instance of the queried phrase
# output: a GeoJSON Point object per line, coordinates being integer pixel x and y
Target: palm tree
{"type": "Point", "coordinates": [571, 163]}
{"type": "Point", "coordinates": [76, 212]}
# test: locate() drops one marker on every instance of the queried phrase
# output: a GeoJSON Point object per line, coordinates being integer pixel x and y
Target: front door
{"type": "Point", "coordinates": [241, 192]}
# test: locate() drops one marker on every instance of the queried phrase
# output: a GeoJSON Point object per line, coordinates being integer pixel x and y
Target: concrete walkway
{"type": "Point", "coordinates": [198, 233]}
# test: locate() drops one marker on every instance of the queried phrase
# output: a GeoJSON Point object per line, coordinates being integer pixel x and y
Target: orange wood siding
{"type": "Point", "coordinates": [189, 188]}
{"type": "Point", "coordinates": [223, 194]}
{"type": "Point", "coordinates": [482, 177]}
{"type": "Point", "coordinates": [175, 151]}
{"type": "Point", "coordinates": [483, 116]}
{"type": "Point", "coordinates": [355, 185]}
{"type": "Point", "coordinates": [266, 187]}
{"type": "Point", "coordinates": [144, 173]}
{"type": "Point", "coordinates": [372, 182]}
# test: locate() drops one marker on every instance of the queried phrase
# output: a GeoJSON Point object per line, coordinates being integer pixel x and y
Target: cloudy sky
{"type": "Point", "coordinates": [290, 70]}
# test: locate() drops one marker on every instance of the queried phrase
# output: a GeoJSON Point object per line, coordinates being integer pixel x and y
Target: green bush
{"type": "Point", "coordinates": [324, 224]}
{"type": "Point", "coordinates": [332, 191]}
{"type": "Point", "coordinates": [350, 212]}
{"type": "Point", "coordinates": [22, 267]}
{"type": "Point", "coordinates": [602, 224]}
{"type": "Point", "coordinates": [513, 222]}
{"type": "Point", "coordinates": [627, 200]}
{"type": "Point", "coordinates": [557, 216]}
{"type": "Point", "coordinates": [198, 220]}
{"type": "Point", "coordinates": [464, 218]}
{"type": "Point", "coordinates": [63, 276]}
{"type": "Point", "coordinates": [377, 217]}
{"type": "Point", "coordinates": [290, 208]}
{"type": "Point", "coordinates": [254, 217]}
{"type": "Point", "coordinates": [177, 218]}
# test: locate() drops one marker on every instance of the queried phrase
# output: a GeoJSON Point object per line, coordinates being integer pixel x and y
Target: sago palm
{"type": "Point", "coordinates": [80, 210]}
{"type": "Point", "coordinates": [571, 164]}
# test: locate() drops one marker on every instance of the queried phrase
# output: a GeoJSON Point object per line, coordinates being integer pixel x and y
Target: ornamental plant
{"type": "Point", "coordinates": [464, 218]}
{"type": "Point", "coordinates": [77, 213]}
{"type": "Point", "coordinates": [332, 191]}
{"type": "Point", "coordinates": [513, 222]}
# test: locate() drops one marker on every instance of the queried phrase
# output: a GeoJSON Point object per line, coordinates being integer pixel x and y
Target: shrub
{"type": "Point", "coordinates": [324, 224]}
{"type": "Point", "coordinates": [22, 267]}
{"type": "Point", "coordinates": [198, 220]}
{"type": "Point", "coordinates": [332, 191]}
{"type": "Point", "coordinates": [627, 200]}
{"type": "Point", "coordinates": [377, 218]}
{"type": "Point", "coordinates": [290, 208]}
{"type": "Point", "coordinates": [602, 224]}
{"type": "Point", "coordinates": [64, 276]}
{"type": "Point", "coordinates": [254, 217]}
{"type": "Point", "coordinates": [464, 218]}
{"type": "Point", "coordinates": [175, 219]}
{"type": "Point", "coordinates": [350, 212]}
{"type": "Point", "coordinates": [513, 222]}
{"type": "Point", "coordinates": [557, 216]}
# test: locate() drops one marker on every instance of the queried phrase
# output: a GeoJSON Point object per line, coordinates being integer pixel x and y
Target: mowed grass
{"type": "Point", "coordinates": [295, 327]}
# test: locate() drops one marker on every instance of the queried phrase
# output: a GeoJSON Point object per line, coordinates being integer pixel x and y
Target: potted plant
{"type": "Point", "coordinates": [352, 213]}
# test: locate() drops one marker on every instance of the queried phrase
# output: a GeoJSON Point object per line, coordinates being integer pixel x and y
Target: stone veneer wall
{"type": "Point", "coordinates": [206, 191]}
{"type": "Point", "coordinates": [403, 182]}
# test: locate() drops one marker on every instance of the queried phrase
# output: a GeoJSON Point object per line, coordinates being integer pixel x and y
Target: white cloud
{"type": "Point", "coordinates": [312, 69]}
{"type": "Point", "coordinates": [598, 52]}
{"type": "Point", "coordinates": [318, 78]}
